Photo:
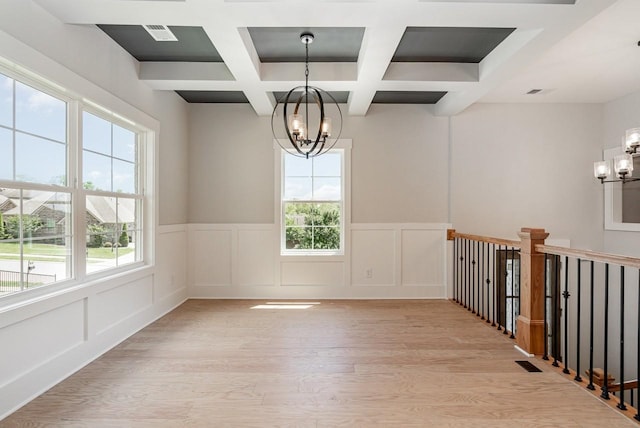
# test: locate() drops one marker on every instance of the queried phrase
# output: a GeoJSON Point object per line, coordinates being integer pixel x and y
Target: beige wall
{"type": "Point", "coordinates": [529, 165]}
{"type": "Point", "coordinates": [230, 165]}
{"type": "Point", "coordinates": [399, 165]}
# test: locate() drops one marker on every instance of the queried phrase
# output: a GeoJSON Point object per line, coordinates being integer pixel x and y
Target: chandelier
{"type": "Point", "coordinates": [307, 113]}
{"type": "Point", "coordinates": [622, 164]}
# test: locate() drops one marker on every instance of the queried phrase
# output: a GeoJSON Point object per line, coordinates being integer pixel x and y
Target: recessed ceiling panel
{"type": "Point", "coordinates": [282, 44]}
{"type": "Point", "coordinates": [407, 97]}
{"type": "Point", "coordinates": [213, 96]}
{"type": "Point", "coordinates": [193, 45]}
{"type": "Point", "coordinates": [340, 96]}
{"type": "Point", "coordinates": [448, 44]}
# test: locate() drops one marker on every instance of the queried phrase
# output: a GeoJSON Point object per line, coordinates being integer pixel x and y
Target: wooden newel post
{"type": "Point", "coordinates": [530, 322]}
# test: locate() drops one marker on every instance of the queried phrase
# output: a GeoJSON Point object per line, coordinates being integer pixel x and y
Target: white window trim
{"type": "Point", "coordinates": [343, 144]}
{"type": "Point", "coordinates": [613, 201]}
{"type": "Point", "coordinates": [131, 118]}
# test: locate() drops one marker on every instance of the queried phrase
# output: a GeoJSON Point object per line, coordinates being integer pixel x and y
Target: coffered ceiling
{"type": "Point", "coordinates": [446, 54]}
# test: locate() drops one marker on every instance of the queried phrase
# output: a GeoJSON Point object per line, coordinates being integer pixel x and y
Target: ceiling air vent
{"type": "Point", "coordinates": [160, 33]}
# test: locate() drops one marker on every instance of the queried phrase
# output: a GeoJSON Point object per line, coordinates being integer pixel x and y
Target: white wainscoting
{"type": "Point", "coordinates": [387, 260]}
{"type": "Point", "coordinates": [44, 340]}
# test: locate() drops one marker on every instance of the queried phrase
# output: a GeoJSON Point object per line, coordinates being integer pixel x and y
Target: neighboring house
{"type": "Point", "coordinates": [52, 208]}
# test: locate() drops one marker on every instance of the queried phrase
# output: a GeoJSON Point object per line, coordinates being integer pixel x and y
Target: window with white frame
{"type": "Point", "coordinates": [312, 203]}
{"type": "Point", "coordinates": [113, 199]}
{"type": "Point", "coordinates": [44, 135]}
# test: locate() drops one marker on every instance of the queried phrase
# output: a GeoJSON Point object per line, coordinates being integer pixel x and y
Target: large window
{"type": "Point", "coordinates": [113, 200]}
{"type": "Point", "coordinates": [65, 172]}
{"type": "Point", "coordinates": [312, 203]}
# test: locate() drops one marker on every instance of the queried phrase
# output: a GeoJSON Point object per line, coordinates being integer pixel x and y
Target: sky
{"type": "Point", "coordinates": [33, 142]}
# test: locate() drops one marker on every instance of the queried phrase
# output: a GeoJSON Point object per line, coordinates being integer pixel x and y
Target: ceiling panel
{"type": "Point", "coordinates": [193, 45]}
{"type": "Point", "coordinates": [340, 96]}
{"type": "Point", "coordinates": [213, 96]}
{"type": "Point", "coordinates": [282, 44]}
{"type": "Point", "coordinates": [448, 44]}
{"type": "Point", "coordinates": [407, 97]}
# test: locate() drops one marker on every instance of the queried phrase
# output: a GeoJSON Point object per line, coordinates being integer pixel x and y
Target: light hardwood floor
{"type": "Point", "coordinates": [339, 363]}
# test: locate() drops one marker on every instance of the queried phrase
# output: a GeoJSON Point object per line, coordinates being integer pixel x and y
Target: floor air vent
{"type": "Point", "coordinates": [528, 366]}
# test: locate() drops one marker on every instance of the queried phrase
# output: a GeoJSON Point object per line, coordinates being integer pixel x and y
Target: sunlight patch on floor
{"type": "Point", "coordinates": [286, 305]}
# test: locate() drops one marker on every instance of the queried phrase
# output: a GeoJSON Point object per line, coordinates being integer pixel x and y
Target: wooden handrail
{"type": "Point", "coordinates": [490, 240]}
{"type": "Point", "coordinates": [590, 255]}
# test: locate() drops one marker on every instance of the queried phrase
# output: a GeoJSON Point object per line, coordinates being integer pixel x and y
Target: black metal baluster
{"type": "Point", "coordinates": [470, 286]}
{"type": "Point", "coordinates": [495, 302]}
{"type": "Point", "coordinates": [455, 269]}
{"type": "Point", "coordinates": [556, 311]}
{"type": "Point", "coordinates": [519, 279]}
{"type": "Point", "coordinates": [621, 404]}
{"type": "Point", "coordinates": [513, 292]}
{"type": "Point", "coordinates": [481, 285]}
{"type": "Point", "coordinates": [605, 387]}
{"type": "Point", "coordinates": [637, 416]}
{"type": "Point", "coordinates": [499, 291]}
{"type": "Point", "coordinates": [488, 281]}
{"type": "Point", "coordinates": [591, 386]}
{"type": "Point", "coordinates": [565, 313]}
{"type": "Point", "coordinates": [577, 378]}
{"type": "Point", "coordinates": [546, 315]}
{"type": "Point", "coordinates": [472, 304]}
{"type": "Point", "coordinates": [466, 271]}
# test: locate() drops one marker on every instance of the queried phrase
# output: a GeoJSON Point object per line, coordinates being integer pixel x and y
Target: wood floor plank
{"type": "Point", "coordinates": [337, 364]}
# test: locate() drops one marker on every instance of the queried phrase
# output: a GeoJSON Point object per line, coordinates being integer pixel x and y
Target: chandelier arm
{"type": "Point", "coordinates": [322, 150]}
{"type": "Point", "coordinates": [286, 123]}
{"type": "Point", "coordinates": [319, 102]}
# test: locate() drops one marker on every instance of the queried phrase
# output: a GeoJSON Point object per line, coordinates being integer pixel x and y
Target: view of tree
{"type": "Point", "coordinates": [124, 237]}
{"type": "Point", "coordinates": [30, 225]}
{"type": "Point", "coordinates": [98, 235]}
{"type": "Point", "coordinates": [2, 232]}
{"type": "Point", "coordinates": [312, 226]}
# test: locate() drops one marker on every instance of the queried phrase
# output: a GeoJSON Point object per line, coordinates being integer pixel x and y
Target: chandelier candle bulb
{"type": "Point", "coordinates": [632, 139]}
{"type": "Point", "coordinates": [623, 165]}
{"type": "Point", "coordinates": [326, 127]}
{"type": "Point", "coordinates": [601, 169]}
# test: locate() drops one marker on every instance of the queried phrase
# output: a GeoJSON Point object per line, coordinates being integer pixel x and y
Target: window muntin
{"type": "Point", "coordinates": [312, 204]}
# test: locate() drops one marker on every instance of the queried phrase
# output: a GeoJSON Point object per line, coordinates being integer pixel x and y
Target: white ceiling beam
{"type": "Point", "coordinates": [237, 51]}
{"type": "Point", "coordinates": [318, 71]}
{"type": "Point", "coordinates": [378, 46]}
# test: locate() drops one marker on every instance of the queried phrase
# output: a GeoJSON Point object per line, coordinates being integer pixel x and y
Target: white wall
{"type": "Point", "coordinates": [47, 338]}
{"type": "Point", "coordinates": [528, 165]}
{"type": "Point", "coordinates": [620, 115]}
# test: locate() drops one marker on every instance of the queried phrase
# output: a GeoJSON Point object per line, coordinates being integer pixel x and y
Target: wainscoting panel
{"type": "Point", "coordinates": [117, 304]}
{"type": "Point", "coordinates": [210, 252]}
{"type": "Point", "coordinates": [423, 257]}
{"type": "Point", "coordinates": [171, 266]}
{"type": "Point", "coordinates": [36, 340]}
{"type": "Point", "coordinates": [327, 273]}
{"type": "Point", "coordinates": [388, 261]}
{"type": "Point", "coordinates": [373, 257]}
{"type": "Point", "coordinates": [256, 256]}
